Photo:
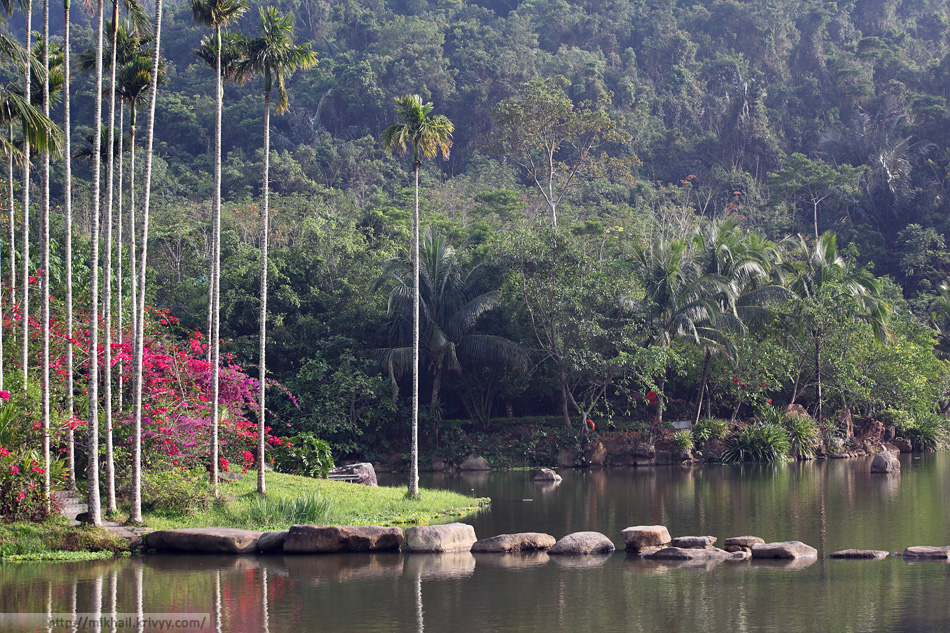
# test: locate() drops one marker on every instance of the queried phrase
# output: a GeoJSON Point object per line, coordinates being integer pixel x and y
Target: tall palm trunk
{"type": "Point", "coordinates": [44, 372]}
{"type": "Point", "coordinates": [68, 208]}
{"type": "Point", "coordinates": [92, 470]}
{"type": "Point", "coordinates": [133, 249]}
{"type": "Point", "coordinates": [12, 226]}
{"type": "Point", "coordinates": [107, 284]}
{"type": "Point", "coordinates": [261, 432]}
{"type": "Point", "coordinates": [140, 325]}
{"type": "Point", "coordinates": [119, 300]}
{"type": "Point", "coordinates": [25, 248]}
{"type": "Point", "coordinates": [216, 273]}
{"type": "Point", "coordinates": [414, 467]}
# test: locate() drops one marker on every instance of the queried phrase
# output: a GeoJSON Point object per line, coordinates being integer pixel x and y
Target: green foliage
{"type": "Point", "coordinates": [175, 491]}
{"type": "Point", "coordinates": [305, 455]}
{"type": "Point", "coordinates": [683, 440]}
{"type": "Point", "coordinates": [710, 430]}
{"type": "Point", "coordinates": [757, 442]}
{"type": "Point", "coordinates": [304, 510]}
{"type": "Point", "coordinates": [803, 435]}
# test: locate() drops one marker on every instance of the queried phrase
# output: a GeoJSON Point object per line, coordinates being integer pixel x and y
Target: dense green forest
{"type": "Point", "coordinates": [700, 150]}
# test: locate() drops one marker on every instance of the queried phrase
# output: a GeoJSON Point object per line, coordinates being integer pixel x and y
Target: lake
{"type": "Point", "coordinates": [830, 505]}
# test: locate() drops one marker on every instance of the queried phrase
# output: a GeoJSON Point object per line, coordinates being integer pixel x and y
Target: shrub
{"type": "Point", "coordinates": [179, 491]}
{"type": "Point", "coordinates": [305, 455]}
{"type": "Point", "coordinates": [803, 435]}
{"type": "Point", "coordinates": [710, 429]}
{"type": "Point", "coordinates": [683, 440]}
{"type": "Point", "coordinates": [929, 432]}
{"type": "Point", "coordinates": [760, 442]}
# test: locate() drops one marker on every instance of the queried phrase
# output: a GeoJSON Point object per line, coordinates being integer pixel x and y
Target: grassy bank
{"type": "Point", "coordinates": [54, 539]}
{"type": "Point", "coordinates": [293, 499]}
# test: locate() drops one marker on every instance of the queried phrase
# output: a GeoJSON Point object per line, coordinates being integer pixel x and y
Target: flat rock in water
{"type": "Point", "coordinates": [784, 549]}
{"type": "Point", "coordinates": [450, 537]}
{"type": "Point", "coordinates": [741, 543]}
{"type": "Point", "coordinates": [523, 541]}
{"type": "Point", "coordinates": [581, 543]}
{"type": "Point", "coordinates": [546, 474]}
{"type": "Point", "coordinates": [210, 540]}
{"type": "Point", "coordinates": [644, 536]}
{"type": "Point", "coordinates": [928, 552]}
{"type": "Point", "coordinates": [885, 462]}
{"type": "Point", "coordinates": [327, 539]}
{"type": "Point", "coordinates": [694, 542]}
{"type": "Point", "coordinates": [860, 554]}
{"type": "Point", "coordinates": [362, 473]}
{"type": "Point", "coordinates": [272, 541]}
{"type": "Point", "coordinates": [683, 553]}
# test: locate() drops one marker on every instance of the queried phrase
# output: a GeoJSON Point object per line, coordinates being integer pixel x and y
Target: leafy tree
{"type": "Point", "coordinates": [819, 278]}
{"type": "Point", "coordinates": [553, 141]}
{"type": "Point", "coordinates": [812, 182]}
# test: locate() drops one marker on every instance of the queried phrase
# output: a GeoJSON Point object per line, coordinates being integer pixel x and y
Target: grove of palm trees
{"type": "Point", "coordinates": [639, 216]}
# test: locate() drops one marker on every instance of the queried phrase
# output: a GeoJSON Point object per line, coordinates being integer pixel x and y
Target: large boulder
{"type": "Point", "coordinates": [581, 543]}
{"type": "Point", "coordinates": [328, 539]}
{"type": "Point", "coordinates": [927, 552]}
{"type": "Point", "coordinates": [596, 455]}
{"type": "Point", "coordinates": [451, 537]}
{"type": "Point", "coordinates": [784, 549]}
{"type": "Point", "coordinates": [474, 462]}
{"type": "Point", "coordinates": [645, 536]}
{"type": "Point", "coordinates": [546, 474]}
{"type": "Point", "coordinates": [741, 543]}
{"type": "Point", "coordinates": [859, 554]}
{"type": "Point", "coordinates": [363, 474]}
{"type": "Point", "coordinates": [904, 446]}
{"type": "Point", "coordinates": [679, 455]}
{"type": "Point", "coordinates": [684, 553]}
{"type": "Point", "coordinates": [272, 541]}
{"type": "Point", "coordinates": [210, 540]}
{"type": "Point", "coordinates": [523, 541]}
{"type": "Point", "coordinates": [885, 462]}
{"type": "Point", "coordinates": [694, 542]}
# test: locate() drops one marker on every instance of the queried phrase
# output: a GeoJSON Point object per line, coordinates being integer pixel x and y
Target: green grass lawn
{"type": "Point", "coordinates": [302, 500]}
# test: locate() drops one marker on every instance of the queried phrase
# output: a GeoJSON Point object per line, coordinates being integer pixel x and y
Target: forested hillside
{"type": "Point", "coordinates": [688, 129]}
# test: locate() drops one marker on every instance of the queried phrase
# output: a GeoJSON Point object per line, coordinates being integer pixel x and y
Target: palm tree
{"type": "Point", "coordinates": [746, 262]}
{"type": "Point", "coordinates": [274, 55]}
{"type": "Point", "coordinates": [426, 134]}
{"type": "Point", "coordinates": [232, 47]}
{"type": "Point", "coordinates": [25, 248]}
{"type": "Point", "coordinates": [216, 14]}
{"type": "Point", "coordinates": [136, 513]}
{"type": "Point", "coordinates": [92, 469]}
{"type": "Point", "coordinates": [451, 302]}
{"type": "Point", "coordinates": [681, 301]}
{"type": "Point", "coordinates": [820, 277]}
{"type": "Point", "coordinates": [68, 211]}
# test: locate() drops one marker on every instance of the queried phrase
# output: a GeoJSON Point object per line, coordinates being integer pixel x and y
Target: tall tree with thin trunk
{"type": "Point", "coordinates": [274, 55]}
{"type": "Point", "coordinates": [92, 468]}
{"type": "Point", "coordinates": [216, 14]}
{"type": "Point", "coordinates": [44, 372]}
{"type": "Point", "coordinates": [25, 247]}
{"type": "Point", "coordinates": [136, 514]}
{"type": "Point", "coordinates": [68, 211]}
{"type": "Point", "coordinates": [426, 134]}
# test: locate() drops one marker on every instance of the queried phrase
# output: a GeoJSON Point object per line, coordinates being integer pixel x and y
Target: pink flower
{"type": "Point", "coordinates": [21, 496]}
{"type": "Point", "coordinates": [13, 469]}
{"type": "Point", "coordinates": [4, 452]}
{"type": "Point", "coordinates": [5, 395]}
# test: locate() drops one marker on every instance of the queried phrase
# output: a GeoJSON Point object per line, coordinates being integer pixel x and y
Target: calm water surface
{"type": "Point", "coordinates": [830, 505]}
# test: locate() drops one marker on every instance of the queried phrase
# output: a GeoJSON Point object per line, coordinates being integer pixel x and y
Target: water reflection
{"type": "Point", "coordinates": [830, 505]}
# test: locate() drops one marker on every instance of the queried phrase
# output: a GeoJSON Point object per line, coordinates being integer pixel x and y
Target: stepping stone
{"type": "Point", "coordinates": [645, 536]}
{"type": "Point", "coordinates": [694, 542]}
{"type": "Point", "coordinates": [682, 553]}
{"type": "Point", "coordinates": [210, 540]}
{"type": "Point", "coordinates": [927, 552]}
{"type": "Point", "coordinates": [582, 543]}
{"type": "Point", "coordinates": [523, 541]}
{"type": "Point", "coordinates": [451, 537]}
{"type": "Point", "coordinates": [860, 554]}
{"type": "Point", "coordinates": [784, 549]}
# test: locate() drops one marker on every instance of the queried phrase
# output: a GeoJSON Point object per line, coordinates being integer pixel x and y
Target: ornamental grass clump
{"type": "Point", "coordinates": [281, 511]}
{"type": "Point", "coordinates": [803, 436]}
{"type": "Point", "coordinates": [757, 442]}
{"type": "Point", "coordinates": [683, 440]}
{"type": "Point", "coordinates": [710, 430]}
